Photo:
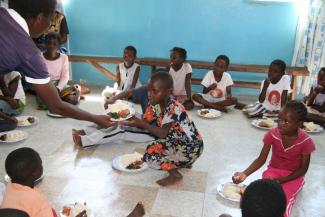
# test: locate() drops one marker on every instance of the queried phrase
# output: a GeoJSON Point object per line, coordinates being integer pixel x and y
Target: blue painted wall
{"type": "Point", "coordinates": [248, 33]}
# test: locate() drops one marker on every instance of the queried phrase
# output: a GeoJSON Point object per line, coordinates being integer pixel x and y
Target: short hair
{"type": "Point", "coordinates": [263, 198]}
{"type": "Point", "coordinates": [165, 77]}
{"type": "Point", "coordinates": [21, 163]}
{"type": "Point", "coordinates": [131, 48]}
{"type": "Point", "coordinates": [181, 51]}
{"type": "Point", "coordinates": [298, 108]}
{"type": "Point", "coordinates": [53, 36]}
{"type": "Point", "coordinates": [224, 58]}
{"type": "Point", "coordinates": [31, 8]}
{"type": "Point", "coordinates": [12, 213]}
{"type": "Point", "coordinates": [280, 64]}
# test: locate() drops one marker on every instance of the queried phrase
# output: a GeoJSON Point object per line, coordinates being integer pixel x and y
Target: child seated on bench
{"type": "Point", "coordinates": [316, 100]}
{"type": "Point", "coordinates": [178, 144]}
{"type": "Point", "coordinates": [274, 92]}
{"type": "Point", "coordinates": [181, 72]}
{"type": "Point", "coordinates": [127, 72]}
{"type": "Point", "coordinates": [217, 87]}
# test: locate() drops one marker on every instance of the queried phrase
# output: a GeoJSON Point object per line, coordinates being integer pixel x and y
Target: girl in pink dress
{"type": "Point", "coordinates": [291, 149]}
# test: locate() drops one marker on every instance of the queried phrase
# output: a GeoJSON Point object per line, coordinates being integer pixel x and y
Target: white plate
{"type": "Point", "coordinates": [8, 179]}
{"type": "Point", "coordinates": [220, 190]}
{"type": "Point", "coordinates": [317, 130]}
{"type": "Point", "coordinates": [130, 107]}
{"type": "Point", "coordinates": [212, 113]}
{"type": "Point", "coordinates": [53, 115]}
{"type": "Point", "coordinates": [256, 121]}
{"type": "Point", "coordinates": [18, 134]}
{"type": "Point", "coordinates": [23, 122]}
{"type": "Point", "coordinates": [117, 164]}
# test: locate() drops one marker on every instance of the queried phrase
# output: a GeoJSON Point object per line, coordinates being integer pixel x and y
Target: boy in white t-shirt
{"type": "Point", "coordinates": [181, 73]}
{"type": "Point", "coordinates": [217, 87]}
{"type": "Point", "coordinates": [274, 92]}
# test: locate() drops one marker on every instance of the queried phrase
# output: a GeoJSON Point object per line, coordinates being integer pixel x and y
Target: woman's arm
{"type": "Point", "coordinates": [188, 86]}
{"type": "Point", "coordinates": [135, 77]}
{"type": "Point", "coordinates": [299, 172]}
{"type": "Point", "coordinates": [257, 163]}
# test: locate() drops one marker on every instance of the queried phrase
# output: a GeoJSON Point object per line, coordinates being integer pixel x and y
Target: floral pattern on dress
{"type": "Point", "coordinates": [183, 144]}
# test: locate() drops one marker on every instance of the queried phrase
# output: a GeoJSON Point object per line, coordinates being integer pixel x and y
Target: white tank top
{"type": "Point", "coordinates": [126, 75]}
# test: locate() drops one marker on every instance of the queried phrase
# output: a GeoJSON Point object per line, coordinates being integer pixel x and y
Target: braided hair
{"type": "Point", "coordinates": [298, 108]}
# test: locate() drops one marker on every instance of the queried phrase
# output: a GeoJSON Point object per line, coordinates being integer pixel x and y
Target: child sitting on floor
{"type": "Point", "coordinates": [316, 100]}
{"type": "Point", "coordinates": [274, 92]}
{"type": "Point", "coordinates": [181, 73]}
{"type": "Point", "coordinates": [262, 198]}
{"type": "Point", "coordinates": [24, 167]}
{"type": "Point", "coordinates": [127, 73]}
{"type": "Point", "coordinates": [217, 87]}
{"type": "Point", "coordinates": [58, 67]}
{"type": "Point", "coordinates": [12, 95]}
{"type": "Point", "coordinates": [178, 143]}
{"type": "Point", "coordinates": [291, 150]}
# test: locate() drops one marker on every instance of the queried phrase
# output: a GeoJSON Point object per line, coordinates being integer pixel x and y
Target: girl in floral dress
{"type": "Point", "coordinates": [178, 143]}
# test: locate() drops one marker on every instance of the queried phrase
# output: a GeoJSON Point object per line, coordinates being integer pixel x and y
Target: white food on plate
{"type": "Point", "coordinates": [310, 126]}
{"type": "Point", "coordinates": [211, 113]}
{"type": "Point", "coordinates": [23, 121]}
{"type": "Point", "coordinates": [118, 106]}
{"type": "Point", "coordinates": [14, 136]}
{"type": "Point", "coordinates": [130, 158]}
{"type": "Point", "coordinates": [269, 123]}
{"type": "Point", "coordinates": [232, 192]}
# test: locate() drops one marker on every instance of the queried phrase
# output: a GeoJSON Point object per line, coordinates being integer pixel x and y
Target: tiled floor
{"type": "Point", "coordinates": [231, 143]}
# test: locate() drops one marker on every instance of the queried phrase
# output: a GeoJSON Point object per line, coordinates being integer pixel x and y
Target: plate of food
{"type": "Point", "coordinates": [26, 121]}
{"type": "Point", "coordinates": [13, 136]}
{"type": "Point", "coordinates": [209, 113]}
{"type": "Point", "coordinates": [120, 110]}
{"type": "Point", "coordinates": [311, 127]}
{"type": "Point", "coordinates": [130, 163]}
{"type": "Point", "coordinates": [231, 191]}
{"type": "Point", "coordinates": [265, 124]}
{"type": "Point", "coordinates": [75, 210]}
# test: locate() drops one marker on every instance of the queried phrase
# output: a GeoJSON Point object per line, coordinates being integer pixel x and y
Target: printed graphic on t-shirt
{"type": "Point", "coordinates": [274, 98]}
{"type": "Point", "coordinates": [216, 93]}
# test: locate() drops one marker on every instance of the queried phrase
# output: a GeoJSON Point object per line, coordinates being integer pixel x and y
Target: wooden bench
{"type": "Point", "coordinates": [294, 72]}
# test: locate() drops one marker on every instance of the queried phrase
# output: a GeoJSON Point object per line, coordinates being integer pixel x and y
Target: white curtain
{"type": "Point", "coordinates": [310, 42]}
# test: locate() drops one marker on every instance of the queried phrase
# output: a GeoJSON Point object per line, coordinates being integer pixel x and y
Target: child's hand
{"type": "Point", "coordinates": [14, 119]}
{"type": "Point", "coordinates": [213, 86]}
{"type": "Point", "coordinates": [133, 122]}
{"type": "Point", "coordinates": [238, 177]}
{"type": "Point", "coordinates": [108, 101]}
{"type": "Point", "coordinates": [266, 83]}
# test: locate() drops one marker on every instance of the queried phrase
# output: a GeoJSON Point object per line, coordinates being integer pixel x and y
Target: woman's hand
{"type": "Point", "coordinates": [238, 177]}
{"type": "Point", "coordinates": [104, 121]}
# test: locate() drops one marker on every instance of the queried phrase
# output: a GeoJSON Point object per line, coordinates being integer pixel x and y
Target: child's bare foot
{"type": "Point", "coordinates": [76, 136]}
{"type": "Point", "coordinates": [138, 211]}
{"type": "Point", "coordinates": [173, 178]}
